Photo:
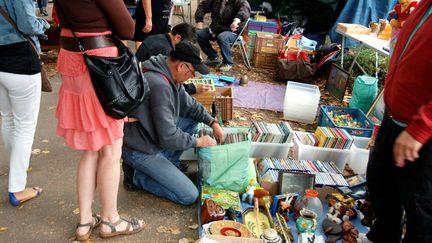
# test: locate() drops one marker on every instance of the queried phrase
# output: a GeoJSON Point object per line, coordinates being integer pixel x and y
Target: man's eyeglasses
{"type": "Point", "coordinates": [189, 69]}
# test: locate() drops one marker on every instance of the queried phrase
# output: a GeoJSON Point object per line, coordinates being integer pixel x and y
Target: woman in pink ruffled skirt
{"type": "Point", "coordinates": [81, 120]}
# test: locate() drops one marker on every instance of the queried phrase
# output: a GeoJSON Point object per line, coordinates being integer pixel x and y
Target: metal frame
{"type": "Point", "coordinates": [239, 41]}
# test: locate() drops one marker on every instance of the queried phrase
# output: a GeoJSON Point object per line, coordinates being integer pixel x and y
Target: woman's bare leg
{"type": "Point", "coordinates": [86, 187]}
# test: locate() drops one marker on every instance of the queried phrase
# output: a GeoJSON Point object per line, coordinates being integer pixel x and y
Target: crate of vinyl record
{"type": "Point", "coordinates": [224, 103]}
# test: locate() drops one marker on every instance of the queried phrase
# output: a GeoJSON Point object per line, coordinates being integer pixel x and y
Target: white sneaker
{"type": "Point", "coordinates": [362, 238]}
{"type": "Point", "coordinates": [225, 68]}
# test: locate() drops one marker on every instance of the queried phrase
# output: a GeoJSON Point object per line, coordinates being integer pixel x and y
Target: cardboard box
{"type": "Point", "coordinates": [353, 28]}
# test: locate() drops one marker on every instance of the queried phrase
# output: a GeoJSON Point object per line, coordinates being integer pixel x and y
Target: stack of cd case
{"type": "Point", "coordinates": [326, 173]}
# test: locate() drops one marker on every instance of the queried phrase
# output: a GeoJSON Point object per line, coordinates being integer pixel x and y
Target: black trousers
{"type": "Point", "coordinates": [394, 189]}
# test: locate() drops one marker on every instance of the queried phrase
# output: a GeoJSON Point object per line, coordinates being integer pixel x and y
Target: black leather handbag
{"type": "Point", "coordinates": [117, 81]}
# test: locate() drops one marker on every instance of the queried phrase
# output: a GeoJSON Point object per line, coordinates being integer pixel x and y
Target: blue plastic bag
{"type": "Point", "coordinates": [226, 166]}
{"type": "Point", "coordinates": [364, 92]}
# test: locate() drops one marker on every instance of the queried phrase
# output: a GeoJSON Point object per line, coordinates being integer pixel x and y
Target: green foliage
{"type": "Point", "coordinates": [366, 59]}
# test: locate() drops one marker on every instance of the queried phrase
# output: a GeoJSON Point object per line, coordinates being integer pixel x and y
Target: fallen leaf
{"type": "Point", "coordinates": [45, 141]}
{"type": "Point", "coordinates": [162, 229]}
{"type": "Point", "coordinates": [3, 229]}
{"type": "Point", "coordinates": [186, 240]}
{"type": "Point", "coordinates": [194, 226]}
{"type": "Point", "coordinates": [45, 151]}
{"type": "Point", "coordinates": [29, 169]}
{"type": "Point", "coordinates": [175, 231]}
{"type": "Point", "coordinates": [51, 107]}
{"type": "Point", "coordinates": [36, 151]}
{"type": "Point", "coordinates": [76, 211]}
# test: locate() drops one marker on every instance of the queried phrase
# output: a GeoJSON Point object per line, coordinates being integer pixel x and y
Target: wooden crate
{"type": "Point", "coordinates": [353, 28]}
{"type": "Point", "coordinates": [206, 99]}
{"type": "Point", "coordinates": [265, 60]}
{"type": "Point", "coordinates": [224, 103]}
{"type": "Point", "coordinates": [269, 43]}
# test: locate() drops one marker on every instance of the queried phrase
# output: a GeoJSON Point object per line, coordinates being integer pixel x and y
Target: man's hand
{"type": "Point", "coordinates": [148, 26]}
{"type": "Point", "coordinates": [205, 141]}
{"type": "Point", "coordinates": [218, 133]}
{"type": "Point", "coordinates": [234, 25]}
{"type": "Point", "coordinates": [201, 88]}
{"type": "Point", "coordinates": [405, 148]}
{"type": "Point", "coordinates": [199, 25]}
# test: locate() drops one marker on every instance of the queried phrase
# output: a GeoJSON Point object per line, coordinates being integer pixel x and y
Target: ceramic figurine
{"type": "Point", "coordinates": [366, 209]}
{"type": "Point", "coordinates": [349, 231]}
{"type": "Point", "coordinates": [332, 227]}
{"type": "Point", "coordinates": [244, 80]}
{"type": "Point", "coordinates": [307, 221]}
{"type": "Point", "coordinates": [253, 191]}
{"type": "Point", "coordinates": [210, 211]}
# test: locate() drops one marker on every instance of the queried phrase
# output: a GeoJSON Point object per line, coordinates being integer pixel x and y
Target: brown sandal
{"type": "Point", "coordinates": [132, 222]}
{"type": "Point", "coordinates": [97, 221]}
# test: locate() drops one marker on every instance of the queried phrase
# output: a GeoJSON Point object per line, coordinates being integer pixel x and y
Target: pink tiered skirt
{"type": "Point", "coordinates": [81, 120]}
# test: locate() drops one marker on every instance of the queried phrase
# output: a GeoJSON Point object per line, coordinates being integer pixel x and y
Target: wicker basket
{"type": "Point", "coordinates": [265, 60]}
{"type": "Point", "coordinates": [224, 103]}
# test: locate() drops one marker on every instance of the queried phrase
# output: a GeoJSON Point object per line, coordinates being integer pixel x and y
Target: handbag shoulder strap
{"type": "Point", "coordinates": [61, 14]}
{"type": "Point", "coordinates": [8, 18]}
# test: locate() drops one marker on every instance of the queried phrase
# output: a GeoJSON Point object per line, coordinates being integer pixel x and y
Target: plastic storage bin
{"type": "Point", "coordinates": [326, 121]}
{"type": "Point", "coordinates": [273, 150]}
{"type": "Point", "coordinates": [301, 102]}
{"type": "Point", "coordinates": [359, 155]}
{"type": "Point", "coordinates": [300, 151]}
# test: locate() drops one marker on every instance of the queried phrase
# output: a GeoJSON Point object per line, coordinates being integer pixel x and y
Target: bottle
{"type": "Point", "coordinates": [311, 202]}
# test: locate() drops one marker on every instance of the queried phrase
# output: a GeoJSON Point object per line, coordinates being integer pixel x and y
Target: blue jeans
{"type": "Point", "coordinates": [224, 40]}
{"type": "Point", "coordinates": [158, 173]}
{"type": "Point", "coordinates": [42, 4]}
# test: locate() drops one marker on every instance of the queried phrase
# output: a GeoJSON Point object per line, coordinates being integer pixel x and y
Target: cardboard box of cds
{"type": "Point", "coordinates": [301, 151]}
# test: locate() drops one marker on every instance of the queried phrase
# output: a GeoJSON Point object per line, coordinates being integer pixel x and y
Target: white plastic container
{"type": "Point", "coordinates": [301, 102]}
{"type": "Point", "coordinates": [273, 150]}
{"type": "Point", "coordinates": [300, 151]}
{"type": "Point", "coordinates": [359, 155]}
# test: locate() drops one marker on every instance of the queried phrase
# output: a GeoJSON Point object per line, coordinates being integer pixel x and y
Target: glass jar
{"type": "Point", "coordinates": [309, 201]}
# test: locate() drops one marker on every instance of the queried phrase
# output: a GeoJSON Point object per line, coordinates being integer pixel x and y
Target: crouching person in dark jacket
{"type": "Point", "coordinates": [152, 137]}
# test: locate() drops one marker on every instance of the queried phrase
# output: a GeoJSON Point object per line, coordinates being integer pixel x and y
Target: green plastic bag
{"type": "Point", "coordinates": [226, 166]}
{"type": "Point", "coordinates": [364, 92]}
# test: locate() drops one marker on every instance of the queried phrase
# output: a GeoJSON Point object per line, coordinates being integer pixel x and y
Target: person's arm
{"type": "Point", "coordinates": [149, 16]}
{"type": "Point", "coordinates": [28, 23]}
{"type": "Point", "coordinates": [417, 133]}
{"type": "Point", "coordinates": [203, 8]}
{"type": "Point", "coordinates": [244, 11]}
{"type": "Point", "coordinates": [122, 24]}
{"type": "Point", "coordinates": [190, 88]}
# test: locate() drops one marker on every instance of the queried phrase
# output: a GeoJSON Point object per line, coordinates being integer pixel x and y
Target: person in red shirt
{"type": "Point", "coordinates": [399, 173]}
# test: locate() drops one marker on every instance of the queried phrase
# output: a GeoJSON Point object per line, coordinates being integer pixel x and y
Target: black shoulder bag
{"type": "Point", "coordinates": [117, 81]}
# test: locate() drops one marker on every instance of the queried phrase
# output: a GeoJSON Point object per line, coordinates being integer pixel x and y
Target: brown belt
{"type": "Point", "coordinates": [131, 119]}
{"type": "Point", "coordinates": [88, 42]}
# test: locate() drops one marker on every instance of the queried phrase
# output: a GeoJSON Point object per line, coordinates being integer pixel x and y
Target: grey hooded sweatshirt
{"type": "Point", "coordinates": [157, 116]}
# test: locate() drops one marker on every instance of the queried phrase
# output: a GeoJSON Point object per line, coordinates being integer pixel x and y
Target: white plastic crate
{"type": "Point", "coordinates": [359, 155]}
{"type": "Point", "coordinates": [301, 102]}
{"type": "Point", "coordinates": [273, 150]}
{"type": "Point", "coordinates": [300, 151]}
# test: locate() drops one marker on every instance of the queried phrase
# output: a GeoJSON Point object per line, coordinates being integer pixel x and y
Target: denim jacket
{"type": "Point", "coordinates": [23, 14]}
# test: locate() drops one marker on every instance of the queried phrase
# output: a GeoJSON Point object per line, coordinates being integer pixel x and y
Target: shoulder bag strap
{"type": "Point", "coordinates": [61, 14]}
{"type": "Point", "coordinates": [8, 18]}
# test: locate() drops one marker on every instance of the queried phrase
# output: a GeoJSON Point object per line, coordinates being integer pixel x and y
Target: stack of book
{"type": "Point", "coordinates": [271, 133]}
{"type": "Point", "coordinates": [326, 173]}
{"type": "Point", "coordinates": [331, 138]}
{"type": "Point", "coordinates": [229, 137]}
